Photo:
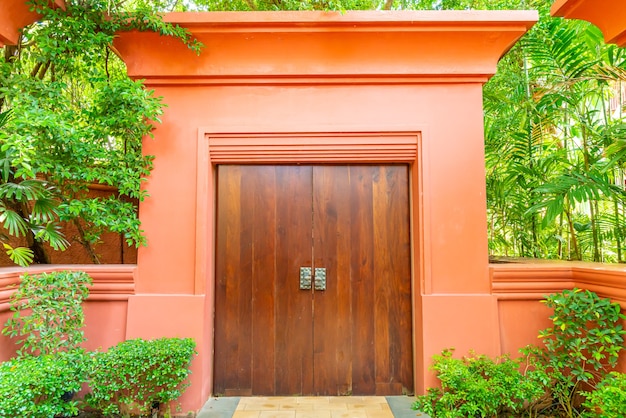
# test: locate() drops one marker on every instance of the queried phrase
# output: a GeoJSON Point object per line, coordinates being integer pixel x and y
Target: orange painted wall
{"type": "Point", "coordinates": [302, 75]}
{"type": "Point", "coordinates": [520, 286]}
{"type": "Point", "coordinates": [105, 308]}
{"type": "Point", "coordinates": [14, 15]}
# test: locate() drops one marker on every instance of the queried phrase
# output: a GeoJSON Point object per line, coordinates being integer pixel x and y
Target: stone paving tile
{"type": "Point", "coordinates": [277, 414]}
{"type": "Point", "coordinates": [295, 405]}
{"type": "Point", "coordinates": [246, 414]}
{"type": "Point", "coordinates": [317, 400]}
{"type": "Point", "coordinates": [349, 414]}
{"type": "Point", "coordinates": [320, 413]}
{"type": "Point", "coordinates": [314, 407]}
{"type": "Point", "coordinates": [367, 407]}
{"type": "Point", "coordinates": [379, 414]}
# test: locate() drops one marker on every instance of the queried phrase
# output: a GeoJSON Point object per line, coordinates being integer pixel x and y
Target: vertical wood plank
{"type": "Point", "coordinates": [401, 235]}
{"type": "Point", "coordinates": [294, 316]}
{"type": "Point", "coordinates": [393, 282]}
{"type": "Point", "coordinates": [332, 311]}
{"type": "Point", "coordinates": [262, 190]}
{"type": "Point", "coordinates": [232, 310]}
{"type": "Point", "coordinates": [382, 275]}
{"type": "Point", "coordinates": [362, 263]}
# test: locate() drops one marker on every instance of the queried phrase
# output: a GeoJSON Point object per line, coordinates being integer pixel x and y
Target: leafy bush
{"type": "Point", "coordinates": [609, 398]}
{"type": "Point", "coordinates": [478, 386]}
{"type": "Point", "coordinates": [581, 348]}
{"type": "Point", "coordinates": [583, 344]}
{"type": "Point", "coordinates": [48, 314]}
{"type": "Point", "coordinates": [136, 374]}
{"type": "Point", "coordinates": [40, 386]}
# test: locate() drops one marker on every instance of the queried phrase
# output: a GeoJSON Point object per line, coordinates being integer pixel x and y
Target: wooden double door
{"type": "Point", "coordinates": [276, 336]}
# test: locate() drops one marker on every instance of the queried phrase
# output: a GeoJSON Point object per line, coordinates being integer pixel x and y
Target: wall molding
{"type": "Point", "coordinates": [376, 147]}
{"type": "Point", "coordinates": [111, 282]}
{"type": "Point", "coordinates": [532, 280]}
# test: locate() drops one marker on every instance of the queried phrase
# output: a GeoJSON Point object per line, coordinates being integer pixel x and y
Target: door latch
{"type": "Point", "coordinates": [320, 279]}
{"type": "Point", "coordinates": [305, 278]}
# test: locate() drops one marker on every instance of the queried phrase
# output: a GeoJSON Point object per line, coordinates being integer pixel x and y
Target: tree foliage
{"type": "Point", "coordinates": [76, 119]}
{"type": "Point", "coordinates": [554, 109]}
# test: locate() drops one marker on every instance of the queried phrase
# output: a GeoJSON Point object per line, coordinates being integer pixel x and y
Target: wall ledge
{"type": "Point", "coordinates": [110, 281]}
{"type": "Point", "coordinates": [532, 280]}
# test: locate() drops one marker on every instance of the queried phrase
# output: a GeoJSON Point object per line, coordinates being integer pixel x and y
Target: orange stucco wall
{"type": "Point", "coordinates": [519, 287]}
{"type": "Point", "coordinates": [300, 77]}
{"type": "Point", "coordinates": [105, 308]}
{"type": "Point", "coordinates": [111, 248]}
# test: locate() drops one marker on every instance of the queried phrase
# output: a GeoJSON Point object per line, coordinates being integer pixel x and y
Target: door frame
{"type": "Point", "coordinates": [315, 145]}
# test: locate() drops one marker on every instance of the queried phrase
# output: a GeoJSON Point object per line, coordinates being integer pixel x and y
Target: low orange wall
{"type": "Point", "coordinates": [519, 287]}
{"type": "Point", "coordinates": [105, 308]}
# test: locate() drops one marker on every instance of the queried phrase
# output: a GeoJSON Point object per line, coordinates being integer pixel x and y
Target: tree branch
{"type": "Point", "coordinates": [35, 70]}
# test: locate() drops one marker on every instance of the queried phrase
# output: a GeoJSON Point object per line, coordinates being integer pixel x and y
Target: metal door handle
{"type": "Point", "coordinates": [320, 279]}
{"type": "Point", "coordinates": [305, 278]}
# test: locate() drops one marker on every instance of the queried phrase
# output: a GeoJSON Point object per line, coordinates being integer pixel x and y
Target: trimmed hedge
{"type": "Point", "coordinates": [136, 375]}
{"type": "Point", "coordinates": [41, 386]}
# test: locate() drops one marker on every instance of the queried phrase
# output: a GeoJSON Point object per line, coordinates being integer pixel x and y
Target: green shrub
{"type": "Point", "coordinates": [41, 386]}
{"type": "Point", "coordinates": [134, 375]}
{"type": "Point", "coordinates": [478, 386]}
{"type": "Point", "coordinates": [48, 314]}
{"type": "Point", "coordinates": [583, 344]}
{"type": "Point", "coordinates": [609, 398]}
{"type": "Point", "coordinates": [581, 348]}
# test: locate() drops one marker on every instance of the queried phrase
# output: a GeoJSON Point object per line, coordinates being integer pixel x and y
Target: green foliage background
{"type": "Point", "coordinates": [72, 118]}
{"type": "Point", "coordinates": [555, 135]}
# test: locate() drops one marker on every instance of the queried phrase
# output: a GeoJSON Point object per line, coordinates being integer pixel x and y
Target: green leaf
{"type": "Point", "coordinates": [20, 255]}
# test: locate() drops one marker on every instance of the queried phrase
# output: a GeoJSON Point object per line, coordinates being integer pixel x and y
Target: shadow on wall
{"type": "Point", "coordinates": [112, 248]}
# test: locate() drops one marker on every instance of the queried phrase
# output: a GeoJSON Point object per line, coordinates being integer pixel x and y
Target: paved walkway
{"type": "Point", "coordinates": [311, 407]}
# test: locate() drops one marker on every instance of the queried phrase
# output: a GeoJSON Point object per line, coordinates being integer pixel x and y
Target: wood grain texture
{"type": "Point", "coordinates": [332, 311]}
{"type": "Point", "coordinates": [294, 311]}
{"type": "Point", "coordinates": [362, 262]}
{"type": "Point", "coordinates": [272, 338]}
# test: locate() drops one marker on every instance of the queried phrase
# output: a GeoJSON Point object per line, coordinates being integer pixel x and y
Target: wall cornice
{"type": "Point", "coordinates": [608, 15]}
{"type": "Point", "coordinates": [326, 47]}
{"type": "Point", "coordinates": [14, 15]}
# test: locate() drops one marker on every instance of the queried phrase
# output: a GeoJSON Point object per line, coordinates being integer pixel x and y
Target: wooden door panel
{"type": "Point", "coordinates": [263, 235]}
{"type": "Point", "coordinates": [361, 234]}
{"type": "Point", "coordinates": [271, 338]}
